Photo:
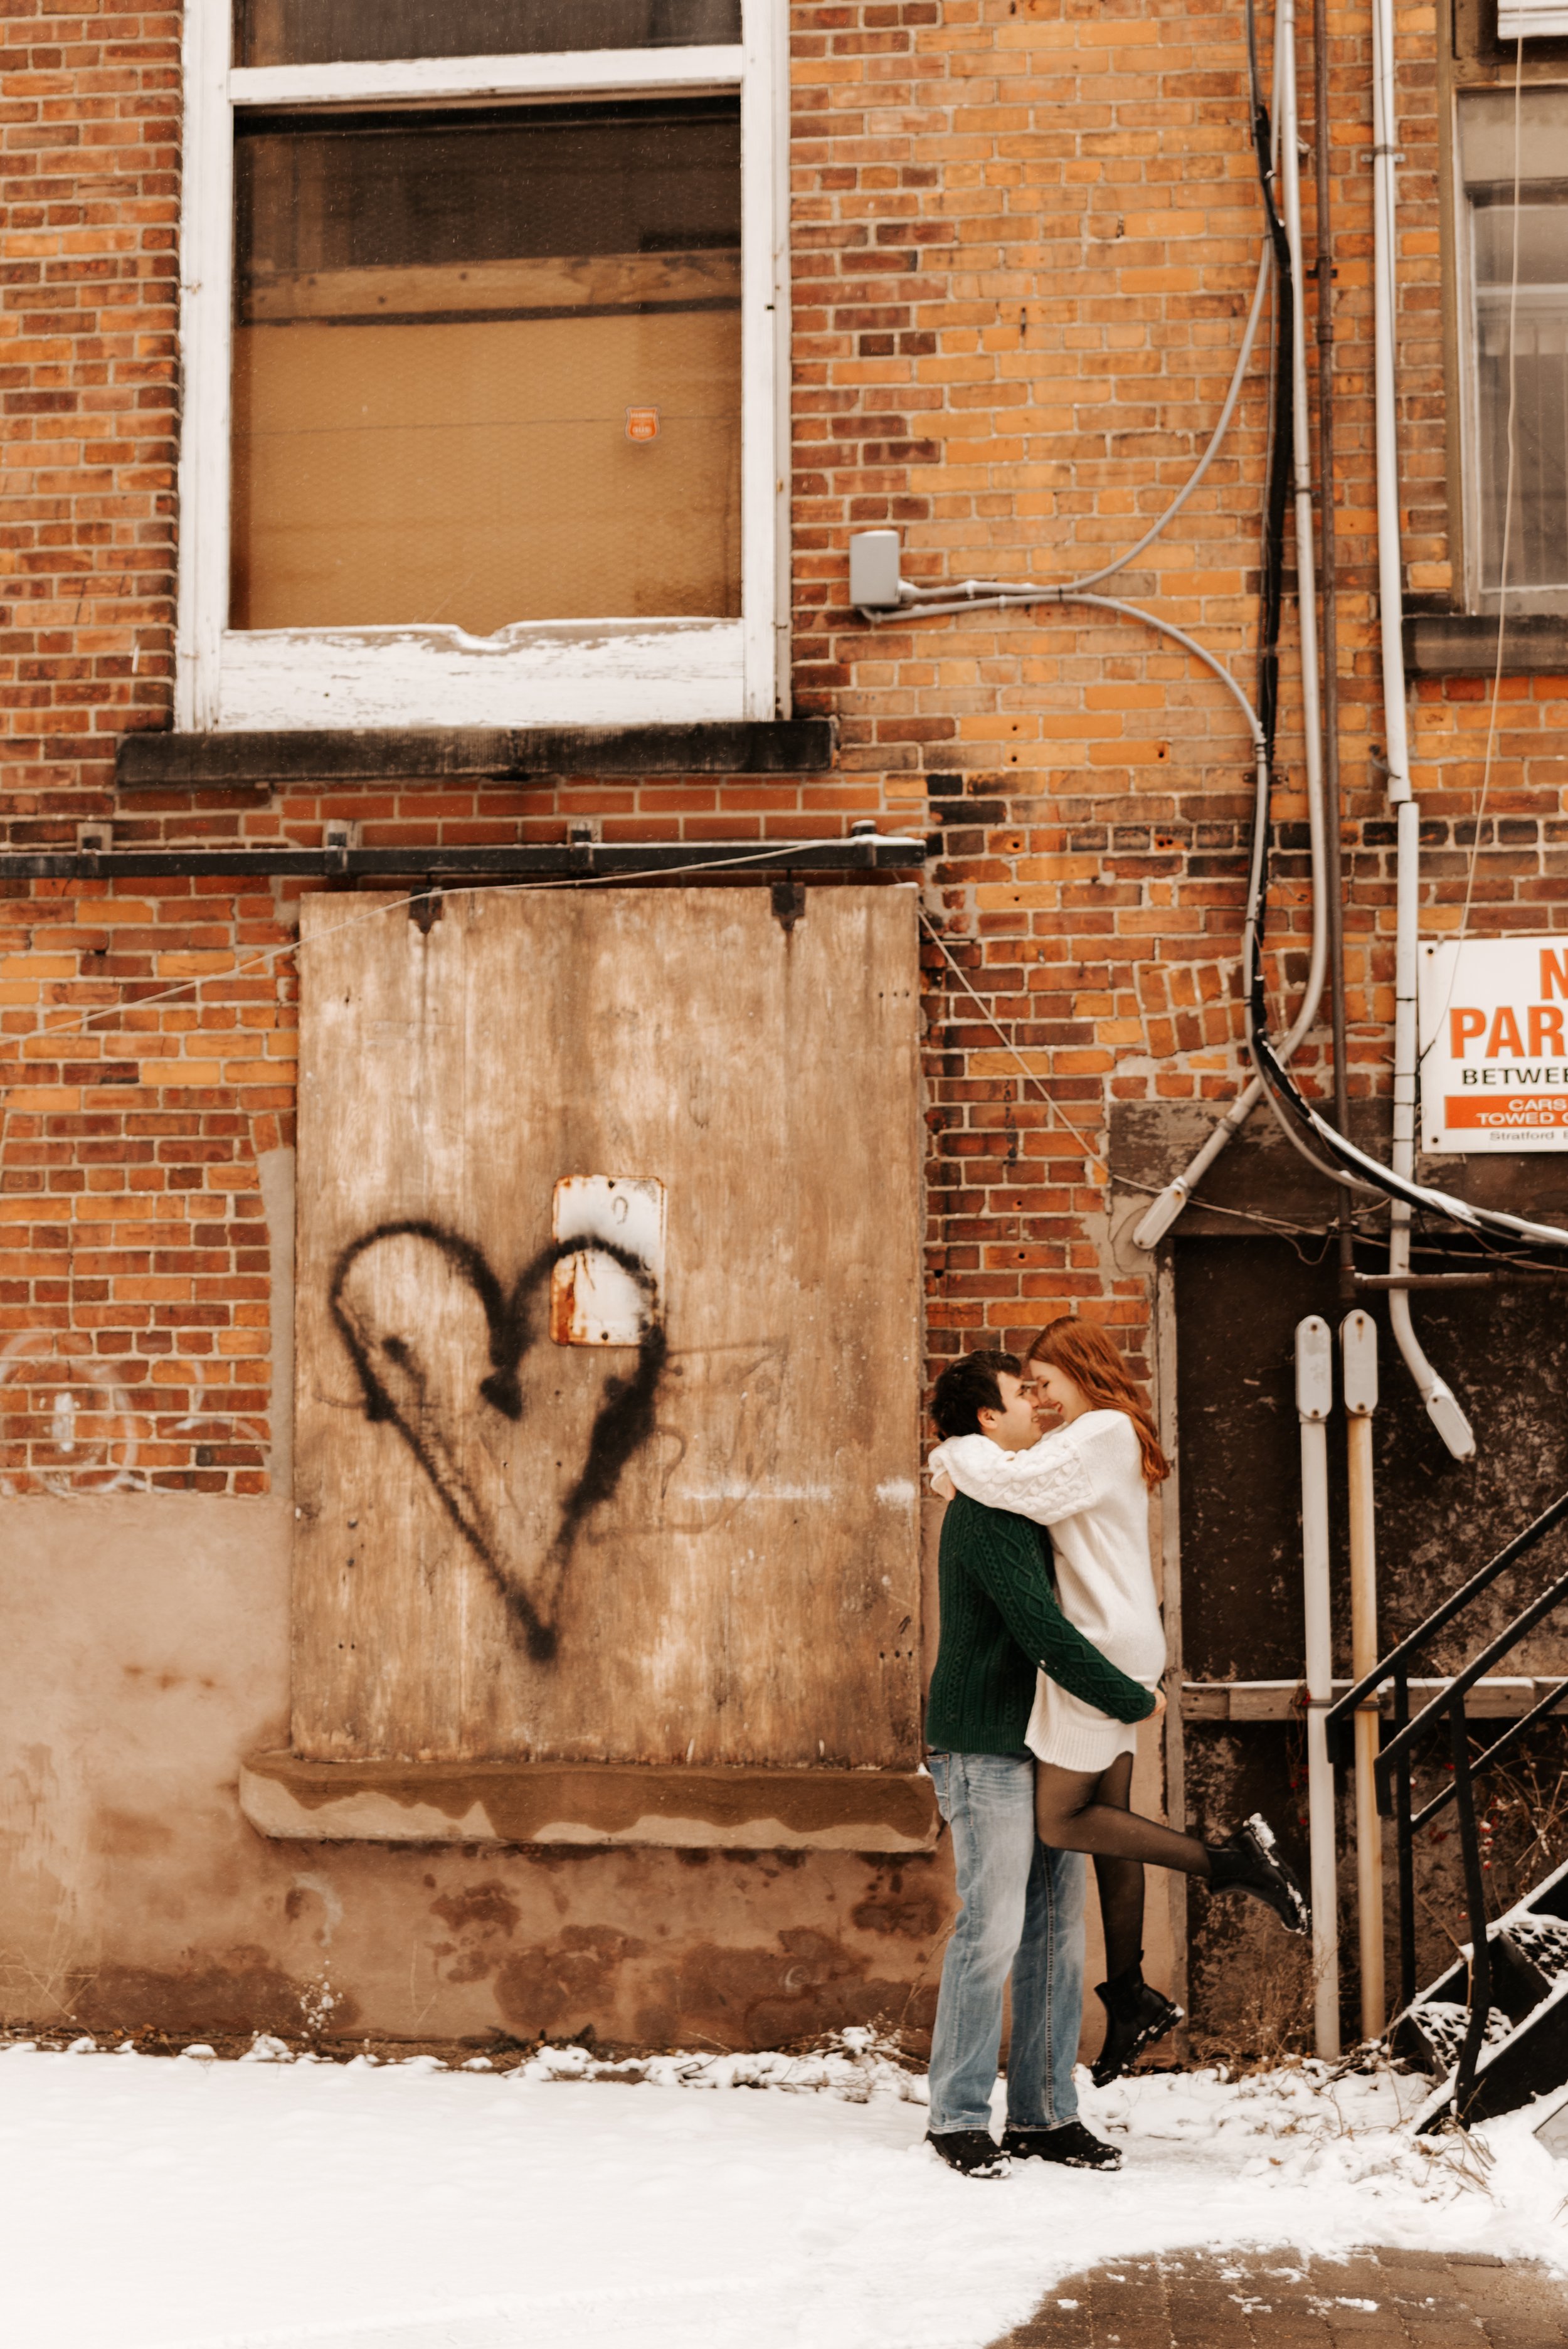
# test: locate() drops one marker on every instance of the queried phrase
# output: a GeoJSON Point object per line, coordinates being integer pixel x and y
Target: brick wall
{"type": "Point", "coordinates": [1026, 235]}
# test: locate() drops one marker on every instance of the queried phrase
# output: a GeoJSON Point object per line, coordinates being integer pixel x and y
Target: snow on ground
{"type": "Point", "coordinates": [188, 2204]}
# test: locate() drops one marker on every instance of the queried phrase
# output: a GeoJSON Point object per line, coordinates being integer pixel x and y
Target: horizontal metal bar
{"type": "Point", "coordinates": [1439, 1616]}
{"type": "Point", "coordinates": [869, 853]}
{"type": "Point", "coordinates": [1510, 1277]}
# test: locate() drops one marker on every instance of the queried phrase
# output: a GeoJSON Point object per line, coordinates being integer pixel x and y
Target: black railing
{"type": "Point", "coordinates": [1392, 1766]}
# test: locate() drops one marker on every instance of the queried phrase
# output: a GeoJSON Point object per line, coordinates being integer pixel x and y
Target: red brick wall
{"type": "Point", "coordinates": [1026, 233]}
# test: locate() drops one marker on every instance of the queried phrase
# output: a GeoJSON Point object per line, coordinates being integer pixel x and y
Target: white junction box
{"type": "Point", "coordinates": [609, 1291]}
{"type": "Point", "coordinates": [1494, 1044]}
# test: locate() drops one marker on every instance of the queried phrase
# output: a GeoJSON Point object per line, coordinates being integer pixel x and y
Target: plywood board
{"type": "Point", "coordinates": [701, 1548]}
{"type": "Point", "coordinates": [476, 475]}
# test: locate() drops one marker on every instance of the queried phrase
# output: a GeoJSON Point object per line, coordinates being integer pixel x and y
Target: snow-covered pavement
{"type": "Point", "coordinates": [187, 2204]}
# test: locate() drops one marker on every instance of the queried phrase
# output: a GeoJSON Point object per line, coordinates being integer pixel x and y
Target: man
{"type": "Point", "coordinates": [1022, 1903]}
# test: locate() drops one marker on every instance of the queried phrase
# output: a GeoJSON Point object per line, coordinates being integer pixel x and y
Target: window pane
{"type": "Point", "coordinates": [324, 32]}
{"type": "Point", "coordinates": [1534, 297]}
{"type": "Point", "coordinates": [486, 367]}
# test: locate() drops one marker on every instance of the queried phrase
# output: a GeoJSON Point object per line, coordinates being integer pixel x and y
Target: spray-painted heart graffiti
{"type": "Point", "coordinates": [377, 1286]}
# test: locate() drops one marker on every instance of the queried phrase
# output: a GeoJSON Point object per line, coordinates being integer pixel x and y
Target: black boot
{"type": "Point", "coordinates": [1069, 2143]}
{"type": "Point", "coordinates": [973, 2153]}
{"type": "Point", "coordinates": [1247, 1861]}
{"type": "Point", "coordinates": [1135, 2017]}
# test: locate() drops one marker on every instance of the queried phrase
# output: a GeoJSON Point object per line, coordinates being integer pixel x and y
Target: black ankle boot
{"type": "Point", "coordinates": [1248, 1862]}
{"type": "Point", "coordinates": [1135, 2017]}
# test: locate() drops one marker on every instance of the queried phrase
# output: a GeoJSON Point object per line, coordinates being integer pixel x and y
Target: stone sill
{"type": "Point", "coordinates": [1464, 644]}
{"type": "Point", "coordinates": [792, 746]}
{"type": "Point", "coordinates": [735, 1809]}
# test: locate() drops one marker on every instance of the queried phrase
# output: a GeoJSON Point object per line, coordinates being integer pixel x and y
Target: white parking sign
{"type": "Point", "coordinates": [1494, 1044]}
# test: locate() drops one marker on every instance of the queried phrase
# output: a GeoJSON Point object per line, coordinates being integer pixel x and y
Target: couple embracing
{"type": "Point", "coordinates": [1051, 1650]}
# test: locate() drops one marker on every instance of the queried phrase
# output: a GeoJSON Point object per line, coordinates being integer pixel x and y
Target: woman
{"type": "Point", "coordinates": [1089, 1480]}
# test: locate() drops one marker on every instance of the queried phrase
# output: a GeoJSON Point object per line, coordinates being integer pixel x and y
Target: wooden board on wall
{"type": "Point", "coordinates": [702, 1548]}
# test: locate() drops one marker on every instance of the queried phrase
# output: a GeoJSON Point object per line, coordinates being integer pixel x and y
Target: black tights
{"type": "Point", "coordinates": [1088, 1810]}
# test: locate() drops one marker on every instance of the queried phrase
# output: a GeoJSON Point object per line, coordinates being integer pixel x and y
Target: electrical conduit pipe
{"type": "Point", "coordinates": [1442, 1405]}
{"type": "Point", "coordinates": [1358, 1345]}
{"type": "Point", "coordinates": [1160, 1216]}
{"type": "Point", "coordinates": [1314, 1400]}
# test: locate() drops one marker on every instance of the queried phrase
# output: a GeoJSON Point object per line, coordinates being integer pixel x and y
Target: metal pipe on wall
{"type": "Point", "coordinates": [1163, 1211]}
{"type": "Point", "coordinates": [1442, 1405]}
{"type": "Point", "coordinates": [1358, 1346]}
{"type": "Point", "coordinates": [1301, 461]}
{"type": "Point", "coordinates": [1313, 1401]}
{"type": "Point", "coordinates": [1331, 872]}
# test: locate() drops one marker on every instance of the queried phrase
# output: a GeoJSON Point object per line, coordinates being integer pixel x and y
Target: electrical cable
{"type": "Point", "coordinates": [983, 593]}
{"type": "Point", "coordinates": [1370, 1172]}
{"type": "Point", "coordinates": [1281, 407]}
{"type": "Point", "coordinates": [374, 913]}
{"type": "Point", "coordinates": [1342, 1161]}
{"type": "Point", "coordinates": [126, 1004]}
{"type": "Point", "coordinates": [1008, 1046]}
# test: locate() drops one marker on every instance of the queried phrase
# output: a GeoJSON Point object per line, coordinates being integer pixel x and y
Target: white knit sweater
{"type": "Point", "coordinates": [1086, 1483]}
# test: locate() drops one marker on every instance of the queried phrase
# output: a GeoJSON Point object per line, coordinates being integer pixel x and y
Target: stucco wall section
{"type": "Point", "coordinates": [147, 1651]}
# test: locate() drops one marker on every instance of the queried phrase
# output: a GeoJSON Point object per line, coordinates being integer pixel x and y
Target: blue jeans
{"type": "Point", "coordinates": [1023, 1915]}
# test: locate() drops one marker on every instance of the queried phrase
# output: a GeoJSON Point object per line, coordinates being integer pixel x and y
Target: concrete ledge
{"type": "Point", "coordinates": [738, 1809]}
{"type": "Point", "coordinates": [784, 746]}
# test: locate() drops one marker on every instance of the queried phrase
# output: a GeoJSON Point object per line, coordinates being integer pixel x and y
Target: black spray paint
{"type": "Point", "coordinates": [623, 1423]}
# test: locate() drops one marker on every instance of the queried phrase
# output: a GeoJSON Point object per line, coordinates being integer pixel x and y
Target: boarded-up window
{"type": "Point", "coordinates": [487, 366]}
{"type": "Point", "coordinates": [696, 1542]}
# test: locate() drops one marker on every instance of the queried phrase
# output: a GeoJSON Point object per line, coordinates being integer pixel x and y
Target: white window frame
{"type": "Point", "coordinates": [551, 673]}
{"type": "Point", "coordinates": [1516, 602]}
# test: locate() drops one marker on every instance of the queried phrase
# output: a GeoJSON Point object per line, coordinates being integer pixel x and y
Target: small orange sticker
{"type": "Point", "coordinates": [641, 423]}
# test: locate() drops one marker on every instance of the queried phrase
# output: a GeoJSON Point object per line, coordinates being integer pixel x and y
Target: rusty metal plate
{"type": "Point", "coordinates": [610, 1291]}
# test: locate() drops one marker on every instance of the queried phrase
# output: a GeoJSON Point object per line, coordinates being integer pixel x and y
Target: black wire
{"type": "Point", "coordinates": [1480, 1222]}
{"type": "Point", "coordinates": [1277, 504]}
{"type": "Point", "coordinates": [1300, 1119]}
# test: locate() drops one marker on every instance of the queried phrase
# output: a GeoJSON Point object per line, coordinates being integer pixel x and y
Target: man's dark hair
{"type": "Point", "coordinates": [967, 1388]}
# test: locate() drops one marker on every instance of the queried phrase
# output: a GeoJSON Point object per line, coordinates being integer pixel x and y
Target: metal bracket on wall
{"type": "Point", "coordinates": [865, 851]}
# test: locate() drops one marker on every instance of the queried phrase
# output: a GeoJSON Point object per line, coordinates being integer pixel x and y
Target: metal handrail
{"type": "Point", "coordinates": [1495, 1750]}
{"type": "Point", "coordinates": [1393, 1768]}
{"type": "Point", "coordinates": [1337, 1717]}
{"type": "Point", "coordinates": [1477, 1668]}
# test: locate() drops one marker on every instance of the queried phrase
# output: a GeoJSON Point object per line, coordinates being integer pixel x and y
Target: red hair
{"type": "Point", "coordinates": [1091, 1359]}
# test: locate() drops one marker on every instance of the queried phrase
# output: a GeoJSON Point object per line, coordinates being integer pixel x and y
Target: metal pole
{"type": "Point", "coordinates": [1404, 1841]}
{"type": "Point", "coordinates": [1475, 1901]}
{"type": "Point", "coordinates": [1313, 1401]}
{"type": "Point", "coordinates": [1358, 1343]}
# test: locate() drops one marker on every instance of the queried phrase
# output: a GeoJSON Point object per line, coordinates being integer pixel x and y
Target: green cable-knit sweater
{"type": "Point", "coordinates": [1000, 1619]}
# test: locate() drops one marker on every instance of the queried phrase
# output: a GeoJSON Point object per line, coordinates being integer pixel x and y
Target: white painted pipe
{"type": "Point", "coordinates": [1443, 1407]}
{"type": "Point", "coordinates": [1358, 1342]}
{"type": "Point", "coordinates": [1314, 1400]}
